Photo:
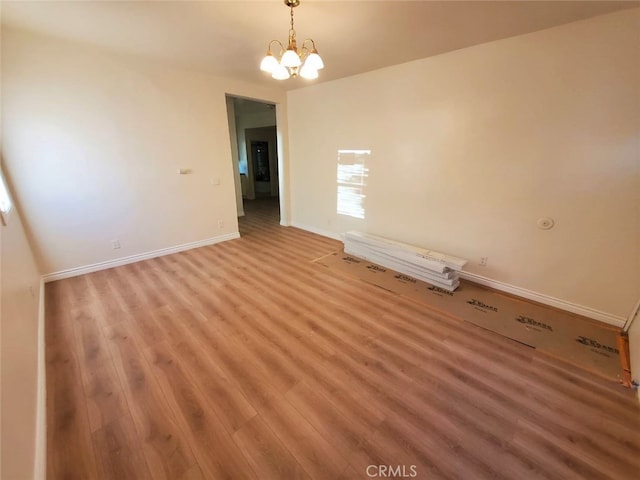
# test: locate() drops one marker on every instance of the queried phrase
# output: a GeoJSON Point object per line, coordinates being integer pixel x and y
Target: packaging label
{"type": "Point", "coordinates": [438, 290]}
{"type": "Point", "coordinates": [376, 268]}
{"type": "Point", "coordinates": [351, 259]}
{"type": "Point", "coordinates": [533, 323]}
{"type": "Point", "coordinates": [404, 278]}
{"type": "Point", "coordinates": [481, 305]}
{"type": "Point", "coordinates": [596, 346]}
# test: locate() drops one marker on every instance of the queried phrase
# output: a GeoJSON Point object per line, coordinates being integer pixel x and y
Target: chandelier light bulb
{"type": "Point", "coordinates": [281, 73]}
{"type": "Point", "coordinates": [308, 71]}
{"type": "Point", "coordinates": [314, 60]}
{"type": "Point", "coordinates": [269, 63]}
{"type": "Point", "coordinates": [290, 58]}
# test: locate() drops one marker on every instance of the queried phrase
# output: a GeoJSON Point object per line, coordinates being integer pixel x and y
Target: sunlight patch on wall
{"type": "Point", "coordinates": [352, 182]}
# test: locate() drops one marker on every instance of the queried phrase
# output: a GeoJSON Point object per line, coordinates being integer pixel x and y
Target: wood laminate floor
{"type": "Point", "coordinates": [245, 360]}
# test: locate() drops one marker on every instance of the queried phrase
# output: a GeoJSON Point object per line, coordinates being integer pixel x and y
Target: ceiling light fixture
{"type": "Point", "coordinates": [292, 62]}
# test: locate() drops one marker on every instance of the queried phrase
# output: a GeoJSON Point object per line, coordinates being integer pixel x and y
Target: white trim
{"type": "Point", "coordinates": [283, 162]}
{"type": "Point", "coordinates": [632, 316]}
{"type": "Point", "coordinates": [74, 272]}
{"type": "Point", "coordinates": [40, 457]}
{"type": "Point", "coordinates": [609, 318]}
{"type": "Point", "coordinates": [317, 231]}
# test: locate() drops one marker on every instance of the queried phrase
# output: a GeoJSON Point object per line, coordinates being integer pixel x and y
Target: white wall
{"type": "Point", "coordinates": [20, 294]}
{"type": "Point", "coordinates": [94, 140]}
{"type": "Point", "coordinates": [470, 148]}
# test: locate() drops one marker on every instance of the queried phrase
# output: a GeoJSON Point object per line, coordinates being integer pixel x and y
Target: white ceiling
{"type": "Point", "coordinates": [229, 38]}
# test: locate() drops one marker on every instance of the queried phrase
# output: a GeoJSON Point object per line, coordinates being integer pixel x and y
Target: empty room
{"type": "Point", "coordinates": [309, 239]}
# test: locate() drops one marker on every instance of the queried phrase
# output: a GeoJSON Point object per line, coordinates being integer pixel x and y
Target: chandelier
{"type": "Point", "coordinates": [306, 62]}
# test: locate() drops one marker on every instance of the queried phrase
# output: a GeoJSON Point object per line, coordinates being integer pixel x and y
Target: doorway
{"type": "Point", "coordinates": [254, 145]}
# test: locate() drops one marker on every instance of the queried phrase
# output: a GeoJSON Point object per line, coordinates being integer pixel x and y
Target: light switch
{"type": "Point", "coordinates": [215, 181]}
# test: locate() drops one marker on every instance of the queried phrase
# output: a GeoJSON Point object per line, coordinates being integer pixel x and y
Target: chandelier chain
{"type": "Point", "coordinates": [292, 31]}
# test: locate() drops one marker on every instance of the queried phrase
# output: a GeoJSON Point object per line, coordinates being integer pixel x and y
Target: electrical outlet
{"type": "Point", "coordinates": [115, 244]}
{"type": "Point", "coordinates": [220, 224]}
{"type": "Point", "coordinates": [483, 261]}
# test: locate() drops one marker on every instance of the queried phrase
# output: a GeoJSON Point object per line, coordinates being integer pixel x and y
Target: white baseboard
{"type": "Point", "coordinates": [40, 457]}
{"type": "Point", "coordinates": [318, 231]}
{"type": "Point", "coordinates": [74, 272]}
{"type": "Point", "coordinates": [546, 299]}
